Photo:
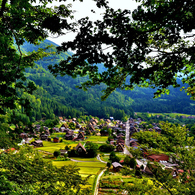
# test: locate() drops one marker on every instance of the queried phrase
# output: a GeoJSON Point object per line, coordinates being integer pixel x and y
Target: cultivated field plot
{"type": "Point", "coordinates": [86, 169]}
{"type": "Point", "coordinates": [60, 135]}
{"type": "Point", "coordinates": [51, 147]}
{"type": "Point", "coordinates": [85, 159]}
{"type": "Point", "coordinates": [116, 183]}
{"type": "Point", "coordinates": [105, 157]}
{"type": "Point", "coordinates": [90, 165]}
{"type": "Point", "coordinates": [90, 180]}
{"type": "Point", "coordinates": [97, 139]}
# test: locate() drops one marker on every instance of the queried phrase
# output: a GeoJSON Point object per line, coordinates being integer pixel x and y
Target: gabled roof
{"type": "Point", "coordinates": [81, 134]}
{"type": "Point", "coordinates": [120, 145]}
{"type": "Point", "coordinates": [38, 141]}
{"type": "Point", "coordinates": [116, 164]}
{"type": "Point", "coordinates": [80, 145]}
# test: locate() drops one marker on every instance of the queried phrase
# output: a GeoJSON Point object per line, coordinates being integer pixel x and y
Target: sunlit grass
{"type": "Point", "coordinates": [97, 139]}
{"type": "Point", "coordinates": [86, 159]}
{"type": "Point", "coordinates": [105, 157]}
{"type": "Point", "coordinates": [86, 168]}
{"type": "Point", "coordinates": [79, 164]}
{"type": "Point", "coordinates": [51, 147]}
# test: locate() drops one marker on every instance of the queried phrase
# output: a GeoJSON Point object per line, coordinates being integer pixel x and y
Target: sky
{"type": "Point", "coordinates": [84, 8]}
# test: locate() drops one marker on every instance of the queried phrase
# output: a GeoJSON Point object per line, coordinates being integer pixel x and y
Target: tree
{"type": "Point", "coordinates": [106, 148]}
{"type": "Point", "coordinates": [127, 160]}
{"type": "Point", "coordinates": [22, 21]}
{"type": "Point", "coordinates": [113, 157]}
{"type": "Point", "coordinates": [56, 153]}
{"type": "Point", "coordinates": [108, 164]}
{"type": "Point", "coordinates": [9, 138]}
{"type": "Point", "coordinates": [132, 163]}
{"type": "Point", "coordinates": [175, 141]}
{"type": "Point", "coordinates": [91, 149]}
{"type": "Point", "coordinates": [72, 125]}
{"type": "Point", "coordinates": [26, 172]}
{"type": "Point", "coordinates": [151, 50]}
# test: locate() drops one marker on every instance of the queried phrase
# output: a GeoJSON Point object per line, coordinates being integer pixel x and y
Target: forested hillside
{"type": "Point", "coordinates": [59, 95]}
{"type": "Point", "coordinates": [177, 101]}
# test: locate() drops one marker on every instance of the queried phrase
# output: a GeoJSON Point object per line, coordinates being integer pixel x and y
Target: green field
{"type": "Point", "coordinates": [97, 139]}
{"type": "Point", "coordinates": [86, 159]}
{"type": "Point", "coordinates": [89, 166]}
{"type": "Point", "coordinates": [60, 135]}
{"type": "Point", "coordinates": [172, 115]}
{"type": "Point", "coordinates": [85, 169]}
{"type": "Point", "coordinates": [107, 156]}
{"type": "Point", "coordinates": [112, 182]}
{"type": "Point", "coordinates": [80, 164]}
{"type": "Point", "coordinates": [51, 147]}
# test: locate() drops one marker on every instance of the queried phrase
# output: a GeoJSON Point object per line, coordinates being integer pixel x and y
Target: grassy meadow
{"type": "Point", "coordinates": [89, 167]}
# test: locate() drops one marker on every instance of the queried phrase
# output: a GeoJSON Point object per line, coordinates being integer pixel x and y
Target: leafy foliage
{"type": "Point", "coordinates": [26, 172]}
{"type": "Point", "coordinates": [175, 141]}
{"type": "Point", "coordinates": [148, 47]}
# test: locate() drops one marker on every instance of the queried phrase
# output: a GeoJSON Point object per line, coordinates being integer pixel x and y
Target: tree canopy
{"type": "Point", "coordinates": [26, 172]}
{"type": "Point", "coordinates": [22, 21]}
{"type": "Point", "coordinates": [150, 47]}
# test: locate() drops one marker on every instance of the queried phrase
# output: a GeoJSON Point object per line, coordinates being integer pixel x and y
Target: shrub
{"type": "Point", "coordinates": [56, 153]}
{"type": "Point", "coordinates": [106, 148]}
{"type": "Point", "coordinates": [108, 164]}
{"type": "Point", "coordinates": [132, 163]}
{"type": "Point", "coordinates": [113, 157]}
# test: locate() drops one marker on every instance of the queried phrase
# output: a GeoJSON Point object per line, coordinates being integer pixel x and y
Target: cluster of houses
{"type": "Point", "coordinates": [81, 132]}
{"type": "Point", "coordinates": [118, 140]}
{"type": "Point", "coordinates": [163, 160]}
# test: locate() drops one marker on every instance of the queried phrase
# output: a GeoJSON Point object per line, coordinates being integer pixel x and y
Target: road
{"type": "Point", "coordinates": [127, 144]}
{"type": "Point", "coordinates": [127, 141]}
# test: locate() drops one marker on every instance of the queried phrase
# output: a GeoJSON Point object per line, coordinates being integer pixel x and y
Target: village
{"type": "Point", "coordinates": [104, 133]}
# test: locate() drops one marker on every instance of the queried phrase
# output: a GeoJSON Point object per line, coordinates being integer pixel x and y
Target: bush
{"type": "Point", "coordinates": [106, 148]}
{"type": "Point", "coordinates": [56, 153]}
{"type": "Point", "coordinates": [138, 173]}
{"type": "Point", "coordinates": [142, 167]}
{"type": "Point", "coordinates": [132, 163]}
{"type": "Point", "coordinates": [108, 164]}
{"type": "Point", "coordinates": [113, 157]}
{"type": "Point", "coordinates": [72, 153]}
{"type": "Point", "coordinates": [125, 171]}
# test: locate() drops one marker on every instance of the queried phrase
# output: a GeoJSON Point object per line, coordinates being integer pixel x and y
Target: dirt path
{"type": "Point", "coordinates": [98, 157]}
{"type": "Point", "coordinates": [98, 181]}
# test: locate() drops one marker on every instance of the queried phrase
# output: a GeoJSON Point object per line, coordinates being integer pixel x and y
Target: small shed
{"type": "Point", "coordinates": [24, 135]}
{"type": "Point", "coordinates": [56, 140]}
{"type": "Point", "coordinates": [116, 166]}
{"type": "Point", "coordinates": [44, 137]}
{"type": "Point", "coordinates": [62, 152]}
{"type": "Point", "coordinates": [37, 143]}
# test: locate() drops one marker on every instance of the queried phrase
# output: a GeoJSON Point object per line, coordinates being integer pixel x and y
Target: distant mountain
{"type": "Point", "coordinates": [61, 97]}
